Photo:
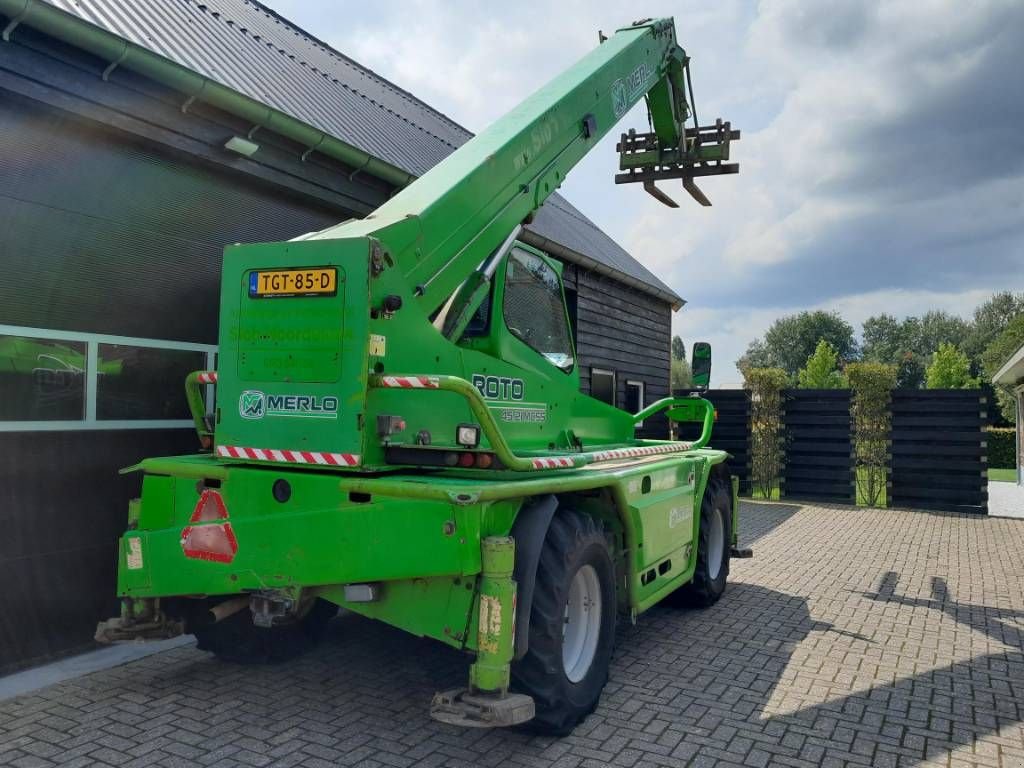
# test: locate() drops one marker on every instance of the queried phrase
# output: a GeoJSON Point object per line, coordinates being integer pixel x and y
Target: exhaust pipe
{"type": "Point", "coordinates": [228, 608]}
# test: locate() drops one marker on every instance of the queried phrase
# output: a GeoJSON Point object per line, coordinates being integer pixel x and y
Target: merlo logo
{"type": "Point", "coordinates": [251, 404]}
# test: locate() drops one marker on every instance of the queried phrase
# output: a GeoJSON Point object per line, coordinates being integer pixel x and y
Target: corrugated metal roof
{"type": "Point", "coordinates": [249, 48]}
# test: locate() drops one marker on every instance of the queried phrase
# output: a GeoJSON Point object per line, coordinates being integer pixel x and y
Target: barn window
{"type": "Point", "coordinates": [634, 397]}
{"type": "Point", "coordinates": [143, 382]}
{"type": "Point", "coordinates": [41, 379]}
{"type": "Point", "coordinates": [602, 385]}
{"type": "Point", "coordinates": [66, 380]}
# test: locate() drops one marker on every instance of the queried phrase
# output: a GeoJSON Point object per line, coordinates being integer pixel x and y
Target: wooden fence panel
{"type": "Point", "coordinates": [938, 451]}
{"type": "Point", "coordinates": [819, 457]}
{"type": "Point", "coordinates": [731, 432]}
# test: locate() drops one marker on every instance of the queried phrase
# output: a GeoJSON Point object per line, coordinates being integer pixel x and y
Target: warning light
{"type": "Point", "coordinates": [204, 538]}
{"type": "Point", "coordinates": [468, 435]}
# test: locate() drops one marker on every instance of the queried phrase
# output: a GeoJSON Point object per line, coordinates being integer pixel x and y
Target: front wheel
{"type": "Point", "coordinates": [572, 625]}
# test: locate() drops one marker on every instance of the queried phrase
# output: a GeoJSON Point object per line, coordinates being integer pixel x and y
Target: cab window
{"type": "Point", "coordinates": [534, 309]}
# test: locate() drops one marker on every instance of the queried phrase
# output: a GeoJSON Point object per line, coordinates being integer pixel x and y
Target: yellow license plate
{"type": "Point", "coordinates": [318, 281]}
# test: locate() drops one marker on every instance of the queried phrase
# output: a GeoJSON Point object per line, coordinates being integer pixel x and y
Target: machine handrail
{"type": "Point", "coordinates": [547, 460]}
{"type": "Point", "coordinates": [708, 418]}
{"type": "Point", "coordinates": [197, 406]}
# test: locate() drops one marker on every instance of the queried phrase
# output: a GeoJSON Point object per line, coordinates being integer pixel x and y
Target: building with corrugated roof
{"type": "Point", "coordinates": [1011, 376]}
{"type": "Point", "coordinates": [137, 139]}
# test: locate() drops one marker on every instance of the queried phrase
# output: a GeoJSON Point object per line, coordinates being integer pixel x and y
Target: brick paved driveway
{"type": "Point", "coordinates": [858, 637]}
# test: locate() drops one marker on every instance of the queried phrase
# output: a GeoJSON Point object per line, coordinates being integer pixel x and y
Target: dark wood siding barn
{"type": "Point", "coordinates": [117, 197]}
{"type": "Point", "coordinates": [619, 329]}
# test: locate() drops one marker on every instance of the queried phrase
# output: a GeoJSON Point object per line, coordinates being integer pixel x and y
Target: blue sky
{"type": "Point", "coordinates": [882, 159]}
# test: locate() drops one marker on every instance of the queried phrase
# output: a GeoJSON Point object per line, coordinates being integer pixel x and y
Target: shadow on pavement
{"type": "Point", "coordinates": [742, 682]}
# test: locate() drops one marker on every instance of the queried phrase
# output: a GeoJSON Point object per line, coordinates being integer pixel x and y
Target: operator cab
{"type": "Point", "coordinates": [528, 289]}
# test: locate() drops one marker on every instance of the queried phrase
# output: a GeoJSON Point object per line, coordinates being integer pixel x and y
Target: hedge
{"type": "Point", "coordinates": [871, 411]}
{"type": "Point", "coordinates": [765, 385]}
{"type": "Point", "coordinates": [1002, 444]}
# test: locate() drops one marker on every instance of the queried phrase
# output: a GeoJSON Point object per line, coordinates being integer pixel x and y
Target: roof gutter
{"type": "Point", "coordinates": [530, 237]}
{"type": "Point", "coordinates": [120, 52]}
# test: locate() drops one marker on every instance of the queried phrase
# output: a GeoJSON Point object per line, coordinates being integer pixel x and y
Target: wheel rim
{"type": "Point", "coordinates": [716, 544]}
{"type": "Point", "coordinates": [582, 627]}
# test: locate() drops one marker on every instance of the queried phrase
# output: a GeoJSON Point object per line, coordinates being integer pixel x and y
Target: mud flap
{"type": "Point", "coordinates": [529, 530]}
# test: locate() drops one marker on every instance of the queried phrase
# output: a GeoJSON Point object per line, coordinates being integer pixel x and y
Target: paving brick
{"type": "Point", "coordinates": [854, 638]}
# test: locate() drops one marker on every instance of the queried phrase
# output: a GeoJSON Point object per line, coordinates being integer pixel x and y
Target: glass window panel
{"type": "Point", "coordinates": [634, 396]}
{"type": "Point", "coordinates": [41, 379]}
{"type": "Point", "coordinates": [143, 382]}
{"type": "Point", "coordinates": [602, 385]}
{"type": "Point", "coordinates": [534, 311]}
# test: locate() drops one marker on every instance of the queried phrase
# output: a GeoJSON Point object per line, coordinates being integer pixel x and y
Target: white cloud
{"type": "Point", "coordinates": [882, 157]}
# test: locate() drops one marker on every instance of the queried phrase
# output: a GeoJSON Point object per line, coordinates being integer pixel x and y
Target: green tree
{"type": "Point", "coordinates": [756, 356]}
{"type": "Point", "coordinates": [950, 369]}
{"type": "Point", "coordinates": [891, 341]}
{"type": "Point", "coordinates": [793, 339]}
{"type": "Point", "coordinates": [990, 320]}
{"type": "Point", "coordinates": [885, 338]}
{"type": "Point", "coordinates": [937, 328]}
{"type": "Point", "coordinates": [872, 385]}
{"type": "Point", "coordinates": [996, 355]}
{"type": "Point", "coordinates": [765, 385]}
{"type": "Point", "coordinates": [681, 376]}
{"type": "Point", "coordinates": [678, 348]}
{"type": "Point", "coordinates": [820, 371]}
{"type": "Point", "coordinates": [910, 371]}
{"type": "Point", "coordinates": [910, 343]}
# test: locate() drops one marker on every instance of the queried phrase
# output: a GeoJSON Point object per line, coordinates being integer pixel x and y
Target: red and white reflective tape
{"type": "Point", "coordinates": [207, 377]}
{"type": "Point", "coordinates": [554, 462]}
{"type": "Point", "coordinates": [560, 462]}
{"type": "Point", "coordinates": [289, 457]}
{"type": "Point", "coordinates": [645, 450]}
{"type": "Point", "coordinates": [410, 382]}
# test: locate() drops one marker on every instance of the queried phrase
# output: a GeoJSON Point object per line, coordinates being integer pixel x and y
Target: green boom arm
{"type": "Point", "coordinates": [440, 228]}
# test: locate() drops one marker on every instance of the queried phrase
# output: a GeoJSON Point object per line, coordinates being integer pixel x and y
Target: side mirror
{"type": "Point", "coordinates": [700, 365]}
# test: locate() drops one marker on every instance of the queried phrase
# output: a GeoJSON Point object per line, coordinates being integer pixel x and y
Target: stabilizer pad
{"type": "Point", "coordinates": [481, 710]}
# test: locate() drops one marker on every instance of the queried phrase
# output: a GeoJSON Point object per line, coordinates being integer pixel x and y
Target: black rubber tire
{"type": "Point", "coordinates": [573, 540]}
{"type": "Point", "coordinates": [237, 640]}
{"type": "Point", "coordinates": [704, 591]}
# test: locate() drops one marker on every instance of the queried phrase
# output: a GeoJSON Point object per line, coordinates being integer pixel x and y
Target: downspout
{"type": "Point", "coordinates": [114, 49]}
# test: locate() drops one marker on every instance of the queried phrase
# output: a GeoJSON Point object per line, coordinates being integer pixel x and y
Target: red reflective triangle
{"type": "Point", "coordinates": [210, 542]}
{"type": "Point", "coordinates": [214, 542]}
{"type": "Point", "coordinates": [210, 507]}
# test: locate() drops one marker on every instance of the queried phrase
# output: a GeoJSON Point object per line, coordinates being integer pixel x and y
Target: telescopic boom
{"type": "Point", "coordinates": [446, 223]}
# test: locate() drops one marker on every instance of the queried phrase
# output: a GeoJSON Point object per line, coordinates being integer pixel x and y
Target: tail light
{"type": "Point", "coordinates": [425, 456]}
{"type": "Point", "coordinates": [204, 538]}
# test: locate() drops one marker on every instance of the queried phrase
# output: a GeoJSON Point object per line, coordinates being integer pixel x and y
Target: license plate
{"type": "Point", "coordinates": [318, 281]}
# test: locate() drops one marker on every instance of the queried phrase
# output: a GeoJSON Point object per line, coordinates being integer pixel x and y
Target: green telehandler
{"type": "Point", "coordinates": [398, 427]}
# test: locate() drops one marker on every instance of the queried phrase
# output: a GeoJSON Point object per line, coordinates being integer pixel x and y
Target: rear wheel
{"type": "Point", "coordinates": [714, 542]}
{"type": "Point", "coordinates": [236, 639]}
{"type": "Point", "coordinates": [572, 625]}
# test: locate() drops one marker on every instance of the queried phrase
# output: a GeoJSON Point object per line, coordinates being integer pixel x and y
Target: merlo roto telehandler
{"type": "Point", "coordinates": [398, 427]}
